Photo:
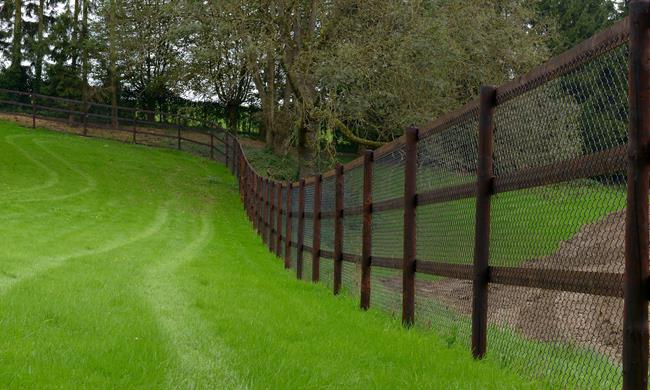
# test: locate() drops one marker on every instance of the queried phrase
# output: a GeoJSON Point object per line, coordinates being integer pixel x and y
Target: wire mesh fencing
{"type": "Point", "coordinates": [516, 226]}
{"type": "Point", "coordinates": [519, 224]}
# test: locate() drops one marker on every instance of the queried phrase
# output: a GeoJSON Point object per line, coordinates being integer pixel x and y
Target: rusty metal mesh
{"type": "Point", "coordinates": [568, 338]}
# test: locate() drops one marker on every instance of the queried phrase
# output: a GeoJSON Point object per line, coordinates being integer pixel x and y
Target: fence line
{"type": "Point", "coordinates": [413, 153]}
{"type": "Point", "coordinates": [499, 223]}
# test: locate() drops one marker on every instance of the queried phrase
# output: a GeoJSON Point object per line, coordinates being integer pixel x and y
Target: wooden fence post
{"type": "Point", "coordinates": [258, 204]}
{"type": "Point", "coordinates": [270, 215]}
{"type": "Point", "coordinates": [315, 246]}
{"type": "Point", "coordinates": [288, 228]}
{"type": "Point", "coordinates": [211, 146]}
{"type": "Point", "coordinates": [33, 101]}
{"type": "Point", "coordinates": [301, 228]}
{"type": "Point", "coordinates": [242, 177]}
{"type": "Point", "coordinates": [265, 211]}
{"type": "Point", "coordinates": [135, 126]}
{"type": "Point", "coordinates": [178, 131]}
{"type": "Point", "coordinates": [338, 229]}
{"type": "Point", "coordinates": [366, 244]}
{"type": "Point", "coordinates": [85, 118]}
{"type": "Point", "coordinates": [278, 220]}
{"type": "Point", "coordinates": [635, 320]}
{"type": "Point", "coordinates": [408, 261]}
{"type": "Point", "coordinates": [226, 147]}
{"type": "Point", "coordinates": [272, 232]}
{"type": "Point", "coordinates": [262, 208]}
{"type": "Point", "coordinates": [485, 179]}
{"type": "Point", "coordinates": [250, 195]}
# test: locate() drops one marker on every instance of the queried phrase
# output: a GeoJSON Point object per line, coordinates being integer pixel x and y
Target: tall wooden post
{"type": "Point", "coordinates": [178, 132]}
{"type": "Point", "coordinates": [242, 178]}
{"type": "Point", "coordinates": [263, 210]}
{"type": "Point", "coordinates": [315, 247]}
{"type": "Point", "coordinates": [338, 229]}
{"type": "Point", "coordinates": [85, 118]}
{"type": "Point", "coordinates": [635, 320]}
{"type": "Point", "coordinates": [226, 143]}
{"type": "Point", "coordinates": [289, 225]}
{"type": "Point", "coordinates": [301, 228]}
{"type": "Point", "coordinates": [366, 240]}
{"type": "Point", "coordinates": [32, 97]}
{"type": "Point", "coordinates": [408, 261]}
{"type": "Point", "coordinates": [485, 179]}
{"type": "Point", "coordinates": [211, 146]}
{"type": "Point", "coordinates": [267, 211]}
{"type": "Point", "coordinates": [135, 126]}
{"type": "Point", "coordinates": [272, 201]}
{"type": "Point", "coordinates": [258, 203]}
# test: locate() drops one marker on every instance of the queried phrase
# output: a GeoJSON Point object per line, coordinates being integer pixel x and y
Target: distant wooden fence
{"type": "Point", "coordinates": [128, 124]}
{"type": "Point", "coordinates": [522, 217]}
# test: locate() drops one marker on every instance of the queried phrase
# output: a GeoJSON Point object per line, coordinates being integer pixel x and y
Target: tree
{"type": "Point", "coordinates": [215, 64]}
{"type": "Point", "coordinates": [576, 20]}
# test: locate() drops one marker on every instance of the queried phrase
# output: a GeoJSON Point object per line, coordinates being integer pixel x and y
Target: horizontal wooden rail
{"type": "Point", "coordinates": [586, 282]}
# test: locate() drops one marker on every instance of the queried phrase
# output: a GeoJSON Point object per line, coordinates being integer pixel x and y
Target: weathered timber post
{"type": "Point", "coordinates": [211, 146]}
{"type": "Point", "coordinates": [135, 126]}
{"type": "Point", "coordinates": [315, 247]}
{"type": "Point", "coordinates": [33, 101]}
{"type": "Point", "coordinates": [485, 179]}
{"type": "Point", "coordinates": [258, 201]}
{"type": "Point", "coordinates": [272, 202]}
{"type": "Point", "coordinates": [267, 211]}
{"type": "Point", "coordinates": [301, 228]}
{"type": "Point", "coordinates": [338, 229]}
{"type": "Point", "coordinates": [635, 320]}
{"type": "Point", "coordinates": [366, 240]}
{"type": "Point", "coordinates": [288, 222]}
{"type": "Point", "coordinates": [226, 146]}
{"type": "Point", "coordinates": [408, 261]}
{"type": "Point", "coordinates": [178, 131]}
{"type": "Point", "coordinates": [86, 107]}
{"type": "Point", "coordinates": [278, 220]}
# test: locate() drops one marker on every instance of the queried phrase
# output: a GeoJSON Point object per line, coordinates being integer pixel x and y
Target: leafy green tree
{"type": "Point", "coordinates": [576, 20]}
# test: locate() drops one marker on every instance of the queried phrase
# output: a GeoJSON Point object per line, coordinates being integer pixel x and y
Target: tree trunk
{"type": "Point", "coordinates": [232, 117]}
{"type": "Point", "coordinates": [113, 66]}
{"type": "Point", "coordinates": [84, 56]}
{"type": "Point", "coordinates": [75, 33]}
{"type": "Point", "coordinates": [40, 48]}
{"type": "Point", "coordinates": [16, 48]}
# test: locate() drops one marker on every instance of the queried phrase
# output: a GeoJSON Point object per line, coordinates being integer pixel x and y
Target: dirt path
{"type": "Point", "coordinates": [585, 320]}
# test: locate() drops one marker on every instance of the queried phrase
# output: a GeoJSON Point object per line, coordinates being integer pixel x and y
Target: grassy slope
{"type": "Point", "coordinates": [127, 267]}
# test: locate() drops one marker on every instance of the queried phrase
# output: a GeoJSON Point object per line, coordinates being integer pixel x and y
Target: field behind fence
{"type": "Point", "coordinates": [516, 225]}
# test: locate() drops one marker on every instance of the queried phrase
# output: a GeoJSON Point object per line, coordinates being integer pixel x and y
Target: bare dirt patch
{"type": "Point", "coordinates": [584, 320]}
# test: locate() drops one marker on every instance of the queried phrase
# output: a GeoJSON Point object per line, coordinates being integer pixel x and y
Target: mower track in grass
{"type": "Point", "coordinates": [131, 267]}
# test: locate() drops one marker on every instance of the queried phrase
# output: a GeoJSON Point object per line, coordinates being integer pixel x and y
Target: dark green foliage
{"type": "Point", "coordinates": [576, 20]}
{"type": "Point", "coordinates": [16, 78]}
{"type": "Point", "coordinates": [268, 163]}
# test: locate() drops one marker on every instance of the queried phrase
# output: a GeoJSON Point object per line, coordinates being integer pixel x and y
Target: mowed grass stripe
{"type": "Point", "coordinates": [192, 299]}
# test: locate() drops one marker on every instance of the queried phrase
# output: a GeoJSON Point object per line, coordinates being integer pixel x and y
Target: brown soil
{"type": "Point", "coordinates": [580, 319]}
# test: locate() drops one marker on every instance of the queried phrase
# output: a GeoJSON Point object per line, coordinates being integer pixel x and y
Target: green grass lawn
{"type": "Point", "coordinates": [131, 267]}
